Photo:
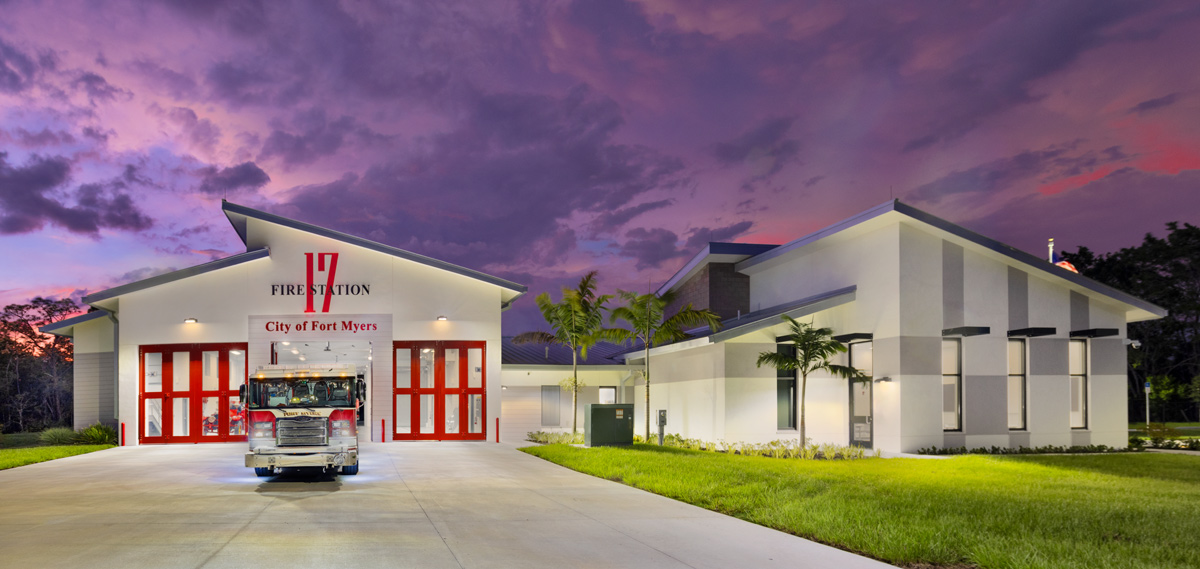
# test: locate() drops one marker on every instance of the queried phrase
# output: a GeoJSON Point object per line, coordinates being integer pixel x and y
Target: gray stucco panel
{"type": "Point", "coordinates": [1047, 356]}
{"type": "Point", "coordinates": [1018, 299]}
{"type": "Point", "coordinates": [985, 407]}
{"type": "Point", "coordinates": [1018, 439]}
{"type": "Point", "coordinates": [1080, 319]}
{"type": "Point", "coordinates": [1108, 357]}
{"type": "Point", "coordinates": [920, 355]}
{"type": "Point", "coordinates": [952, 285]}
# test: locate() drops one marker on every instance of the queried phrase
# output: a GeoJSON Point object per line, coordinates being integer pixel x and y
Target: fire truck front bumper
{"type": "Point", "coordinates": [324, 459]}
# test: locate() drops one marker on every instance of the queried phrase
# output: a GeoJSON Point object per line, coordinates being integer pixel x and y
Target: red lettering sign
{"type": "Point", "coordinates": [311, 290]}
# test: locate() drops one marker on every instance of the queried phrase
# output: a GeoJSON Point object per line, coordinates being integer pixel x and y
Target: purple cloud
{"type": "Point", "coordinates": [30, 200]}
{"type": "Point", "coordinates": [244, 176]}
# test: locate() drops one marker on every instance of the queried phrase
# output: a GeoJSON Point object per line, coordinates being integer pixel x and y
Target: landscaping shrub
{"type": "Point", "coordinates": [58, 436]}
{"type": "Point", "coordinates": [546, 438]}
{"type": "Point", "coordinates": [98, 434]}
{"type": "Point", "coordinates": [1077, 449]}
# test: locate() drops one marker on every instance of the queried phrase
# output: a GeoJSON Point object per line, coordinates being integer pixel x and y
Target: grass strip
{"type": "Point", "coordinates": [12, 458]}
{"type": "Point", "coordinates": [1082, 511]}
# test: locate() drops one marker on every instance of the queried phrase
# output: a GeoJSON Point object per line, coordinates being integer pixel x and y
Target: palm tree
{"type": "Point", "coordinates": [576, 323]}
{"type": "Point", "coordinates": [644, 315]}
{"type": "Point", "coordinates": [814, 347]}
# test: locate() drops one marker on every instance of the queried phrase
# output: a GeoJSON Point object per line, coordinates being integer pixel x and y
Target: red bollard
{"type": "Point", "coordinates": [497, 429]}
{"type": "Point", "coordinates": [383, 430]}
{"type": "Point", "coordinates": [122, 434]}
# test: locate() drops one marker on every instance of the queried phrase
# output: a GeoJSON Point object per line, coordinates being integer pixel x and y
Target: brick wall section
{"type": "Point", "coordinates": [716, 287]}
{"type": "Point", "coordinates": [728, 290]}
{"type": "Point", "coordinates": [693, 291]}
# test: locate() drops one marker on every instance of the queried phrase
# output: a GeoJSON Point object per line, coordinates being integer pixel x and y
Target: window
{"type": "Point", "coordinates": [551, 405]}
{"type": "Point", "coordinates": [785, 391]}
{"type": "Point", "coordinates": [1016, 385]}
{"type": "Point", "coordinates": [608, 395]}
{"type": "Point", "coordinates": [1077, 367]}
{"type": "Point", "coordinates": [951, 385]}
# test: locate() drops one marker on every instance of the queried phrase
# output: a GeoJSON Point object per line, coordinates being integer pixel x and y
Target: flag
{"type": "Point", "coordinates": [1058, 260]}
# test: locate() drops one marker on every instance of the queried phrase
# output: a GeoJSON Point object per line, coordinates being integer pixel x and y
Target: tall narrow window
{"type": "Point", "coordinates": [1079, 383]}
{"type": "Point", "coordinates": [785, 391]}
{"type": "Point", "coordinates": [551, 406]}
{"type": "Point", "coordinates": [951, 385]}
{"type": "Point", "coordinates": [1016, 385]}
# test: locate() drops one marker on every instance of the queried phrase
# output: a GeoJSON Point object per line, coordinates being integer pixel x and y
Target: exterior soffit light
{"type": "Point", "coordinates": [442, 318]}
{"type": "Point", "coordinates": [190, 321]}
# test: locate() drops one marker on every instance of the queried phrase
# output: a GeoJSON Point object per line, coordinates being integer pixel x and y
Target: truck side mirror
{"type": "Point", "coordinates": [242, 394]}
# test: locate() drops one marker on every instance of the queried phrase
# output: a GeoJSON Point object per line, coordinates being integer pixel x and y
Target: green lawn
{"type": "Point", "coordinates": [14, 457]}
{"type": "Point", "coordinates": [20, 440]}
{"type": "Point", "coordinates": [1084, 511]}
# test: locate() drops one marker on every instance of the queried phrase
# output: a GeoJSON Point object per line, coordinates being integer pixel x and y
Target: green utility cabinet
{"type": "Point", "coordinates": [608, 424]}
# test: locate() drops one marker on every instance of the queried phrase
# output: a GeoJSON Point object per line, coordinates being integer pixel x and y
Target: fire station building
{"type": "Point", "coordinates": [424, 334]}
{"type": "Point", "coordinates": [967, 342]}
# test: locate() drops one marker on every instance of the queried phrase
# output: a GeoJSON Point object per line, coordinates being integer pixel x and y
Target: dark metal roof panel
{"type": "Point", "coordinates": [554, 354]}
{"type": "Point", "coordinates": [177, 275]}
{"type": "Point", "coordinates": [233, 208]}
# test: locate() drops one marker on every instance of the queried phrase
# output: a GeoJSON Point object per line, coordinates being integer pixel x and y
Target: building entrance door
{"type": "Point", "coordinates": [862, 423]}
{"type": "Point", "coordinates": [439, 391]}
{"type": "Point", "coordinates": [189, 393]}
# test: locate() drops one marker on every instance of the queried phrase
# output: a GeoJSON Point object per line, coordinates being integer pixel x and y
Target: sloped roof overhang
{"type": "Point", "coordinates": [1139, 309]}
{"type": "Point", "coordinates": [238, 214]}
{"type": "Point", "coordinates": [99, 299]}
{"type": "Point", "coordinates": [66, 326]}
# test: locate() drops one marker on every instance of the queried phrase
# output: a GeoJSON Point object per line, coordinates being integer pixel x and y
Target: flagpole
{"type": "Point", "coordinates": [1051, 247]}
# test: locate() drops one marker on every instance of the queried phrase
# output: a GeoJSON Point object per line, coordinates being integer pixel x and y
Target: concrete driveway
{"type": "Point", "coordinates": [414, 505]}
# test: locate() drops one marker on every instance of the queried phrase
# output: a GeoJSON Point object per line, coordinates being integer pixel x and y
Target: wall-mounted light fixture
{"type": "Point", "coordinates": [882, 379]}
{"type": "Point", "coordinates": [190, 321]}
{"type": "Point", "coordinates": [442, 318]}
{"type": "Point", "coordinates": [504, 388]}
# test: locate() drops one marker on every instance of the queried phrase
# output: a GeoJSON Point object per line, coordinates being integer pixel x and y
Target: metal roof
{"type": "Point", "coordinates": [239, 225]}
{"type": "Point", "coordinates": [769, 317]}
{"type": "Point", "coordinates": [557, 355]}
{"type": "Point", "coordinates": [63, 327]}
{"type": "Point", "coordinates": [177, 275]}
{"type": "Point", "coordinates": [715, 252]}
{"type": "Point", "coordinates": [1009, 251]}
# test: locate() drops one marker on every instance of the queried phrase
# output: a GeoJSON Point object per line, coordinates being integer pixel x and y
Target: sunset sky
{"type": "Point", "coordinates": [538, 140]}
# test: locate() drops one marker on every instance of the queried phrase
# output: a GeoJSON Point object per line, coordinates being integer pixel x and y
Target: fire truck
{"type": "Point", "coordinates": [303, 417]}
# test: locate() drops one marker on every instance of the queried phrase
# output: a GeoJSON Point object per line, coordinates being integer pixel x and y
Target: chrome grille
{"type": "Point", "coordinates": [301, 431]}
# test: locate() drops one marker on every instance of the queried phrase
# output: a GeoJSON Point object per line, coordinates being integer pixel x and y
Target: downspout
{"type": "Point", "coordinates": [116, 367]}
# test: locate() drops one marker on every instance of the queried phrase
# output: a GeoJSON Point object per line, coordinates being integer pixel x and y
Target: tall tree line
{"type": "Point", "coordinates": [36, 369]}
{"type": "Point", "coordinates": [1165, 272]}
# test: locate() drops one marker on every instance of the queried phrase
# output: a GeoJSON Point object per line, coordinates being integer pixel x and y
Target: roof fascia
{"type": "Point", "coordinates": [1154, 311]}
{"type": "Point", "coordinates": [64, 327]}
{"type": "Point", "coordinates": [703, 257]}
{"type": "Point", "coordinates": [177, 275]}
{"type": "Point", "coordinates": [232, 209]}
{"type": "Point", "coordinates": [772, 316]}
{"type": "Point", "coordinates": [844, 224]}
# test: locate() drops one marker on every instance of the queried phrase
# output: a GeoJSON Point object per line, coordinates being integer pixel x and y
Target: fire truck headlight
{"type": "Point", "coordinates": [342, 428]}
{"type": "Point", "coordinates": [262, 430]}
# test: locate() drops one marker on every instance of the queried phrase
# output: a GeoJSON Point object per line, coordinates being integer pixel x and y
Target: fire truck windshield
{"type": "Point", "coordinates": [300, 392]}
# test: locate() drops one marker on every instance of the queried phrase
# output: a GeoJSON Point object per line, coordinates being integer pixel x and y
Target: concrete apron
{"type": "Point", "coordinates": [450, 504]}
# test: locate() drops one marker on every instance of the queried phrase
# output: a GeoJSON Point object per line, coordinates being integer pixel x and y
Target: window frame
{"type": "Point", "coordinates": [788, 379]}
{"type": "Point", "coordinates": [1024, 378]}
{"type": "Point", "coordinates": [1083, 378]}
{"type": "Point", "coordinates": [958, 387]}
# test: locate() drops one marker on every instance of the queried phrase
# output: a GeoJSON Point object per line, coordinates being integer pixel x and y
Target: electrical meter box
{"type": "Point", "coordinates": [608, 424]}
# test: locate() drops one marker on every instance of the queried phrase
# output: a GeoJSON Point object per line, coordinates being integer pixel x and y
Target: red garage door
{"type": "Point", "coordinates": [189, 393]}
